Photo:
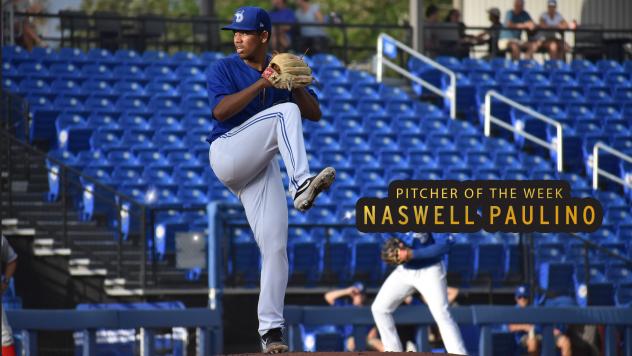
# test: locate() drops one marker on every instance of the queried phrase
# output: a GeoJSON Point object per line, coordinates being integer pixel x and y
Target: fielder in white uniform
{"type": "Point", "coordinates": [426, 273]}
{"type": "Point", "coordinates": [254, 123]}
{"type": "Point", "coordinates": [8, 259]}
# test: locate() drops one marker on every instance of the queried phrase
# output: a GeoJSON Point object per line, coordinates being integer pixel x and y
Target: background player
{"type": "Point", "coordinates": [255, 122]}
{"type": "Point", "coordinates": [8, 259]}
{"type": "Point", "coordinates": [422, 269]}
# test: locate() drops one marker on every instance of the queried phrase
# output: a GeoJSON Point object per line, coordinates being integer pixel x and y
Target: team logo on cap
{"type": "Point", "coordinates": [239, 16]}
{"type": "Point", "coordinates": [260, 24]}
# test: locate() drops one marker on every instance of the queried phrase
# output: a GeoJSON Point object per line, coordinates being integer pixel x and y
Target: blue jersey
{"type": "Point", "coordinates": [231, 75]}
{"type": "Point", "coordinates": [427, 250]}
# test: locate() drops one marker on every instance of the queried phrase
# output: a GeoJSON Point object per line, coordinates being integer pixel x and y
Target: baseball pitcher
{"type": "Point", "coordinates": [257, 102]}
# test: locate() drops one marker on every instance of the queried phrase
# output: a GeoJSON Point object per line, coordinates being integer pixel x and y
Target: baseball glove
{"type": "Point", "coordinates": [391, 251]}
{"type": "Point", "coordinates": [288, 71]}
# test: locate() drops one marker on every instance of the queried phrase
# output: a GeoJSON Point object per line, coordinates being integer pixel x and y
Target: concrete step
{"type": "Point", "coordinates": [49, 247]}
{"type": "Point", "coordinates": [86, 267]}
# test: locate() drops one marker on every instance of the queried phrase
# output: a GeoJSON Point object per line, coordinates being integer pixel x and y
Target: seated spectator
{"type": "Point", "coordinates": [552, 19]}
{"type": "Point", "coordinates": [431, 37]}
{"type": "Point", "coordinates": [492, 33]}
{"type": "Point", "coordinates": [517, 20]}
{"type": "Point", "coordinates": [25, 31]}
{"type": "Point", "coordinates": [461, 49]}
{"type": "Point", "coordinates": [527, 334]}
{"type": "Point", "coordinates": [282, 17]}
{"type": "Point", "coordinates": [357, 297]}
{"type": "Point", "coordinates": [313, 38]}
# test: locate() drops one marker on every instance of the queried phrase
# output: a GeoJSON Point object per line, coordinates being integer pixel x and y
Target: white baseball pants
{"type": "Point", "coordinates": [431, 283]}
{"type": "Point", "coordinates": [244, 159]}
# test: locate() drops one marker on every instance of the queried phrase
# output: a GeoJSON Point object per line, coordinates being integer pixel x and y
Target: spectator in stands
{"type": "Point", "coordinates": [358, 298]}
{"type": "Point", "coordinates": [8, 259]}
{"type": "Point", "coordinates": [25, 31]}
{"type": "Point", "coordinates": [526, 334]}
{"type": "Point", "coordinates": [492, 33]}
{"type": "Point", "coordinates": [313, 38]}
{"type": "Point", "coordinates": [552, 19]}
{"type": "Point", "coordinates": [517, 20]}
{"type": "Point", "coordinates": [461, 49]}
{"type": "Point", "coordinates": [282, 17]}
{"type": "Point", "coordinates": [431, 38]}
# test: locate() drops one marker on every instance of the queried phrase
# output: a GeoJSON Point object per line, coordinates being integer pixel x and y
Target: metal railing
{"type": "Point", "coordinates": [484, 317]}
{"type": "Point", "coordinates": [557, 146]}
{"type": "Point", "coordinates": [207, 322]}
{"type": "Point", "coordinates": [596, 172]}
{"type": "Point", "coordinates": [198, 33]}
{"type": "Point", "coordinates": [386, 40]}
{"type": "Point", "coordinates": [73, 185]}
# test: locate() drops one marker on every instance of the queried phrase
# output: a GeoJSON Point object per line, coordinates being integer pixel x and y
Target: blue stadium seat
{"type": "Point", "coordinates": [244, 264]}
{"type": "Point", "coordinates": [101, 56]}
{"type": "Point", "coordinates": [618, 79]}
{"type": "Point", "coordinates": [411, 138]}
{"type": "Point", "coordinates": [460, 263]}
{"type": "Point", "coordinates": [563, 77]}
{"type": "Point", "coordinates": [160, 72]}
{"type": "Point", "coordinates": [490, 261]}
{"type": "Point", "coordinates": [377, 123]}
{"type": "Point", "coordinates": [371, 107]}
{"type": "Point", "coordinates": [557, 278]}
{"type": "Point", "coordinates": [209, 57]}
{"type": "Point", "coordinates": [365, 261]}
{"type": "Point", "coordinates": [423, 158]}
{"type": "Point", "coordinates": [187, 58]}
{"type": "Point", "coordinates": [35, 86]}
{"type": "Point", "coordinates": [583, 65]}
{"type": "Point", "coordinates": [35, 70]}
{"type": "Point", "coordinates": [555, 64]}
{"type": "Point", "coordinates": [190, 72]}
{"type": "Point", "coordinates": [156, 57]}
{"type": "Point", "coordinates": [623, 295]}
{"type": "Point", "coordinates": [618, 272]}
{"type": "Point", "coordinates": [306, 260]}
{"type": "Point", "coordinates": [127, 56]}
{"type": "Point", "coordinates": [609, 65]}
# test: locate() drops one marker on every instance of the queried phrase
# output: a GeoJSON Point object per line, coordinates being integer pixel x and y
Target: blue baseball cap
{"type": "Point", "coordinates": [250, 18]}
{"type": "Point", "coordinates": [522, 291]}
{"type": "Point", "coordinates": [360, 286]}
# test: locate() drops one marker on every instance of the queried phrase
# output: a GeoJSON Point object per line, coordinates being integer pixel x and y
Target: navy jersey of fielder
{"type": "Point", "coordinates": [231, 75]}
{"type": "Point", "coordinates": [427, 248]}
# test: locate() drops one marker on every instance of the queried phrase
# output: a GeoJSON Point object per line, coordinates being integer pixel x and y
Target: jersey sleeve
{"type": "Point", "coordinates": [441, 246]}
{"type": "Point", "coordinates": [7, 253]}
{"type": "Point", "coordinates": [217, 84]}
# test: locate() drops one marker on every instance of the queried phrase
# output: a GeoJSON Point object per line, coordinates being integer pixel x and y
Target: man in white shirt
{"type": "Point", "coordinates": [552, 19]}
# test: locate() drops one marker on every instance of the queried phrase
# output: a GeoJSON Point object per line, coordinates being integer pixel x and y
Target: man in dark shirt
{"type": "Point", "coordinates": [492, 34]}
{"type": "Point", "coordinates": [282, 17]}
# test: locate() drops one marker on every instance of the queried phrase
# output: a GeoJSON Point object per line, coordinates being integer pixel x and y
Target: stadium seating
{"type": "Point", "coordinates": [123, 115]}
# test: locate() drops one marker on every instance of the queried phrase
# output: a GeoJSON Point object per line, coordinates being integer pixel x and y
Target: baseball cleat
{"type": "Point", "coordinates": [272, 342]}
{"type": "Point", "coordinates": [309, 190]}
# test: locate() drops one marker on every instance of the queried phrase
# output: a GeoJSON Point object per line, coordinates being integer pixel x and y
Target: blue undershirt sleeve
{"type": "Point", "coordinates": [440, 247]}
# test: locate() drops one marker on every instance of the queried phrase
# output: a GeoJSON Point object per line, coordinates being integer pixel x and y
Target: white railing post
{"type": "Point", "coordinates": [380, 56]}
{"type": "Point", "coordinates": [559, 148]}
{"type": "Point", "coordinates": [453, 96]}
{"type": "Point", "coordinates": [450, 93]}
{"type": "Point", "coordinates": [597, 172]}
{"type": "Point", "coordinates": [489, 119]}
{"type": "Point", "coordinates": [595, 166]}
{"type": "Point", "coordinates": [488, 113]}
